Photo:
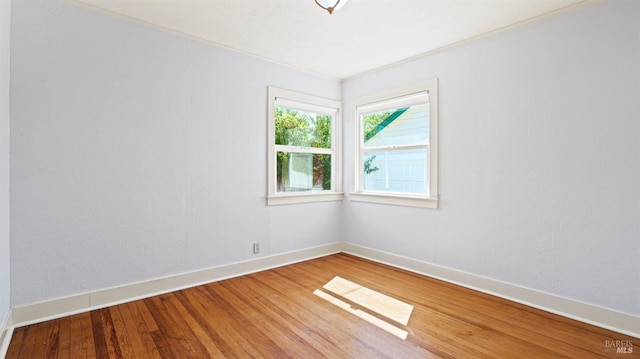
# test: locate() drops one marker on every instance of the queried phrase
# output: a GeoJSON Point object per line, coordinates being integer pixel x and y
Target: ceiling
{"type": "Point", "coordinates": [362, 36]}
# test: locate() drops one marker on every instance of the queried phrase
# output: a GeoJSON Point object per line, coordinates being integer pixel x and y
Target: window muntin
{"type": "Point", "coordinates": [303, 146]}
{"type": "Point", "coordinates": [397, 146]}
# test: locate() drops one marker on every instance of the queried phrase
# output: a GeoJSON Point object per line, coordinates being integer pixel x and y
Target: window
{"type": "Point", "coordinates": [304, 159]}
{"type": "Point", "coordinates": [397, 153]}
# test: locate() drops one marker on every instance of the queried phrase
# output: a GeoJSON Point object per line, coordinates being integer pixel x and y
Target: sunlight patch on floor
{"type": "Point", "coordinates": [370, 300]}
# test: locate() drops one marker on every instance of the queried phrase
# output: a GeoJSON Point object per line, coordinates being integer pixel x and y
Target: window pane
{"type": "Point", "coordinates": [300, 128]}
{"type": "Point", "coordinates": [402, 126]}
{"type": "Point", "coordinates": [402, 171]}
{"type": "Point", "coordinates": [303, 172]}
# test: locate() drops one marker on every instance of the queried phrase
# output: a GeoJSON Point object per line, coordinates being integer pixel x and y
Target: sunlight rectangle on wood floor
{"type": "Point", "coordinates": [371, 301]}
{"type": "Point", "coordinates": [390, 328]}
{"type": "Point", "coordinates": [382, 304]}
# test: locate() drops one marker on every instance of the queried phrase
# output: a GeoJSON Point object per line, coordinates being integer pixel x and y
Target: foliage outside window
{"type": "Point", "coordinates": [303, 152]}
{"type": "Point", "coordinates": [297, 132]}
{"type": "Point", "coordinates": [396, 154]}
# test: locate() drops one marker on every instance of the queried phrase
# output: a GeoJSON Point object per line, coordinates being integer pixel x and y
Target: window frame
{"type": "Point", "coordinates": [311, 103]}
{"type": "Point", "coordinates": [387, 100]}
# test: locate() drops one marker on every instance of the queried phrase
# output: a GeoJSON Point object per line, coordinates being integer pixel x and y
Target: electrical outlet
{"type": "Point", "coordinates": [256, 248]}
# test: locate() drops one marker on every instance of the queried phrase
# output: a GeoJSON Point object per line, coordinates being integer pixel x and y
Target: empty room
{"type": "Point", "coordinates": [319, 178]}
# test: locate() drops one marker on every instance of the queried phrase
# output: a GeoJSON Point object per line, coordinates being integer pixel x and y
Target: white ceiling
{"type": "Point", "coordinates": [362, 36]}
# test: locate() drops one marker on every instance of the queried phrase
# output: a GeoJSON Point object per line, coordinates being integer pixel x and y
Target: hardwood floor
{"type": "Point", "coordinates": [275, 314]}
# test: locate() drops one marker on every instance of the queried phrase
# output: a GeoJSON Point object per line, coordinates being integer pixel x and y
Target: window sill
{"type": "Point", "coordinates": [398, 200]}
{"type": "Point", "coordinates": [294, 198]}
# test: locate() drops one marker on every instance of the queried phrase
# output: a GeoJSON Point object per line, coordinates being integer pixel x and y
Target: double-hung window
{"type": "Point", "coordinates": [396, 147]}
{"type": "Point", "coordinates": [304, 159]}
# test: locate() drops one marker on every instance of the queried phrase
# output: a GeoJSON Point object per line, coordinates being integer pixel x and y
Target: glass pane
{"type": "Point", "coordinates": [402, 171]}
{"type": "Point", "coordinates": [301, 128]}
{"type": "Point", "coordinates": [401, 126]}
{"type": "Point", "coordinates": [303, 172]}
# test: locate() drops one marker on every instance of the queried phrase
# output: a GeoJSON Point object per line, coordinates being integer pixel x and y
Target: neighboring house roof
{"type": "Point", "coordinates": [384, 123]}
{"type": "Point", "coordinates": [403, 126]}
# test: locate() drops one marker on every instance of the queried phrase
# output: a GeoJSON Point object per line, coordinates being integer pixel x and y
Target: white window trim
{"type": "Point", "coordinates": [313, 104]}
{"type": "Point", "coordinates": [378, 102]}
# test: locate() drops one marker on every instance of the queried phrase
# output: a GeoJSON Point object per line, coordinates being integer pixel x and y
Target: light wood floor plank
{"type": "Point", "coordinates": [82, 343]}
{"type": "Point", "coordinates": [229, 336]}
{"type": "Point", "coordinates": [286, 311]}
{"type": "Point", "coordinates": [64, 341]}
{"type": "Point", "coordinates": [138, 332]}
{"type": "Point", "coordinates": [271, 326]}
{"type": "Point", "coordinates": [180, 310]}
{"type": "Point", "coordinates": [177, 344]}
{"type": "Point", "coordinates": [122, 335]}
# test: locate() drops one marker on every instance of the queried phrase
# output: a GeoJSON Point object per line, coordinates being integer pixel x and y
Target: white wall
{"type": "Point", "coordinates": [539, 158]}
{"type": "Point", "coordinates": [138, 154]}
{"type": "Point", "coordinates": [5, 30]}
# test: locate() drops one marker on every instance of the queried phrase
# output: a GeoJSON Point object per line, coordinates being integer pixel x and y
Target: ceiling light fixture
{"type": "Point", "coordinates": [326, 4]}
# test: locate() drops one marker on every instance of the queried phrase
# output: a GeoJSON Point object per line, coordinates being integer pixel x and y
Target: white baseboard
{"type": "Point", "coordinates": [6, 331]}
{"type": "Point", "coordinates": [56, 308]}
{"type": "Point", "coordinates": [50, 309]}
{"type": "Point", "coordinates": [588, 313]}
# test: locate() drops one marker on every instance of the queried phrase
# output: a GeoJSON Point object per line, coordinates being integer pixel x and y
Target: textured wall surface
{"type": "Point", "coordinates": [539, 158]}
{"type": "Point", "coordinates": [5, 30]}
{"type": "Point", "coordinates": [138, 154]}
